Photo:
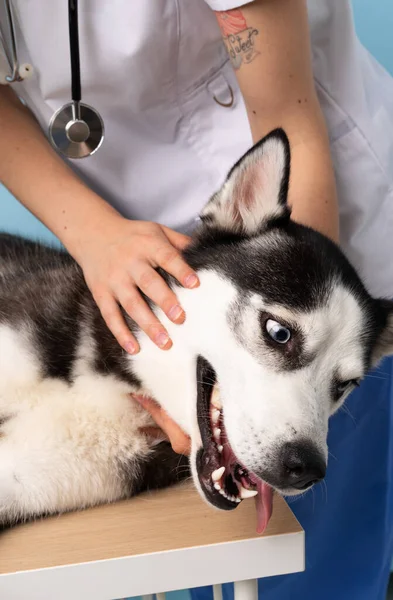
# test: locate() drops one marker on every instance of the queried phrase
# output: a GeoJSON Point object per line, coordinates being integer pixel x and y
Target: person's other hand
{"type": "Point", "coordinates": [180, 442]}
{"type": "Point", "coordinates": [120, 262]}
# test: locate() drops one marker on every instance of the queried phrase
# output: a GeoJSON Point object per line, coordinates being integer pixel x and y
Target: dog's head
{"type": "Point", "coordinates": [288, 332]}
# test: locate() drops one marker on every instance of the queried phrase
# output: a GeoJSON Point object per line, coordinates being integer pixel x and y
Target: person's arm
{"type": "Point", "coordinates": [268, 42]}
{"type": "Point", "coordinates": [117, 256]}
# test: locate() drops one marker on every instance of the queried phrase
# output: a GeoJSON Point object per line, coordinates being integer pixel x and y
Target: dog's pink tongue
{"type": "Point", "coordinates": [264, 505]}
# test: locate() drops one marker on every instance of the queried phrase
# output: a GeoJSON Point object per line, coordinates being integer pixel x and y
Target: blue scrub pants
{"type": "Point", "coordinates": [349, 523]}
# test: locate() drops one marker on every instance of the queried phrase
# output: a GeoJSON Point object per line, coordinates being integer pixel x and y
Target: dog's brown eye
{"type": "Point", "coordinates": [278, 332]}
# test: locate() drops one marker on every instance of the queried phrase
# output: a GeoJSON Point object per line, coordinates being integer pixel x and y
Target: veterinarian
{"type": "Point", "coordinates": [182, 89]}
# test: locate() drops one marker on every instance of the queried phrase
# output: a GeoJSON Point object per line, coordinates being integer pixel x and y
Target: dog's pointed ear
{"type": "Point", "coordinates": [256, 189]}
{"type": "Point", "coordinates": [384, 344]}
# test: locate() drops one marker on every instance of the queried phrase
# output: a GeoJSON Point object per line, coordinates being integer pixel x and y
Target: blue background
{"type": "Point", "coordinates": [374, 23]}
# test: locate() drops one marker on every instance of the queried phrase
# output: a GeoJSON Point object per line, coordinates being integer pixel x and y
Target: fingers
{"type": "Point", "coordinates": [154, 433]}
{"type": "Point", "coordinates": [168, 258]}
{"type": "Point", "coordinates": [153, 285]}
{"type": "Point", "coordinates": [179, 240]}
{"type": "Point", "coordinates": [180, 442]}
{"type": "Point", "coordinates": [135, 306]}
{"type": "Point", "coordinates": [113, 318]}
{"type": "Point", "coordinates": [127, 266]}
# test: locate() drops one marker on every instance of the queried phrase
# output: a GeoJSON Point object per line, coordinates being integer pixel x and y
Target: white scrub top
{"type": "Point", "coordinates": [152, 68]}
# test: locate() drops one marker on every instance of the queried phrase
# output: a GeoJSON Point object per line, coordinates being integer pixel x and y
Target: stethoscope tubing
{"type": "Point", "coordinates": [76, 88]}
{"type": "Point", "coordinates": [13, 58]}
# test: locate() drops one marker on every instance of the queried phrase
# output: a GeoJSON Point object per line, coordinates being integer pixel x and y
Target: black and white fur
{"type": "Point", "coordinates": [69, 433]}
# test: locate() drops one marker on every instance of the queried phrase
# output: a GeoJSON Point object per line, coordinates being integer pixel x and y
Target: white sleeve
{"type": "Point", "coordinates": [226, 4]}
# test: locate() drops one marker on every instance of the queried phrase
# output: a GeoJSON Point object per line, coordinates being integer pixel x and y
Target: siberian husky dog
{"type": "Point", "coordinates": [277, 335]}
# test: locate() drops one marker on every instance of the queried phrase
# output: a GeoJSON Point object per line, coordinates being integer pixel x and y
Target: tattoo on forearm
{"type": "Point", "coordinates": [239, 38]}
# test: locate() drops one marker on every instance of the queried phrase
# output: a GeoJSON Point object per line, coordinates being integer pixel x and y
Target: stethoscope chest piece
{"type": "Point", "coordinates": [76, 130]}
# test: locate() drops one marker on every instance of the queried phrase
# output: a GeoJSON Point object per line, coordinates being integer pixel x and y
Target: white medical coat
{"type": "Point", "coordinates": [152, 67]}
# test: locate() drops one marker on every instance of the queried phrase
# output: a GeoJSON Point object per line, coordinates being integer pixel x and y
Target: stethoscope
{"type": "Point", "coordinates": [76, 130]}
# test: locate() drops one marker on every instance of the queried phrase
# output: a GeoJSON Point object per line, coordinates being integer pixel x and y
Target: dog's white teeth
{"type": "Point", "coordinates": [220, 448]}
{"type": "Point", "coordinates": [228, 497]}
{"type": "Point", "coordinates": [216, 477]}
{"type": "Point", "coordinates": [217, 433]}
{"type": "Point", "coordinates": [218, 473]}
{"type": "Point", "coordinates": [215, 399]}
{"type": "Point", "coordinates": [247, 493]}
{"type": "Point", "coordinates": [215, 416]}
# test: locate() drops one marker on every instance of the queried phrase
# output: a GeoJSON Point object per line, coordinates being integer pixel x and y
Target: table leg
{"type": "Point", "coordinates": [217, 592]}
{"type": "Point", "coordinates": [246, 590]}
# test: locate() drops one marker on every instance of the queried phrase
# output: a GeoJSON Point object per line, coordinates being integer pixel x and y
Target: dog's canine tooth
{"type": "Point", "coordinates": [215, 399]}
{"type": "Point", "coordinates": [247, 493]}
{"type": "Point", "coordinates": [215, 416]}
{"type": "Point", "coordinates": [218, 473]}
{"type": "Point", "coordinates": [217, 433]}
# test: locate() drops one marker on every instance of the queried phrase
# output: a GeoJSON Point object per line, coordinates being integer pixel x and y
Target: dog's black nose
{"type": "Point", "coordinates": [302, 465]}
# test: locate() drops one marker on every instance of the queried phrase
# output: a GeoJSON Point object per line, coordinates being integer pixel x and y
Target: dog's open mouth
{"type": "Point", "coordinates": [225, 481]}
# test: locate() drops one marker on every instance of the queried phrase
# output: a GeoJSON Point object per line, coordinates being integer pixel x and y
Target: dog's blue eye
{"type": "Point", "coordinates": [277, 332]}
